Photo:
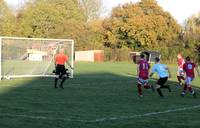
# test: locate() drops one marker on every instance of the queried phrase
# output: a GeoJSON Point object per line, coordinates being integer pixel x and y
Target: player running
{"type": "Point", "coordinates": [60, 60]}
{"type": "Point", "coordinates": [143, 75]}
{"type": "Point", "coordinates": [180, 72]}
{"type": "Point", "coordinates": [188, 68]}
{"type": "Point", "coordinates": [164, 73]}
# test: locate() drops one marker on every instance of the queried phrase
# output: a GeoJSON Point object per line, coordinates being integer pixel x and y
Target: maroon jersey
{"type": "Point", "coordinates": [188, 67]}
{"type": "Point", "coordinates": [143, 69]}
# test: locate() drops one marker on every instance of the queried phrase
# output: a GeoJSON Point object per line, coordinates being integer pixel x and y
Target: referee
{"type": "Point", "coordinates": [60, 60]}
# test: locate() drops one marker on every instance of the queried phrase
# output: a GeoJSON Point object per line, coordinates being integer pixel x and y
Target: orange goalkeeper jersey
{"type": "Point", "coordinates": [61, 59]}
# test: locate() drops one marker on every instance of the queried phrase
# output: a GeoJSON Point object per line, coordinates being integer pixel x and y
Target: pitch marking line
{"type": "Point", "coordinates": [102, 119]}
{"type": "Point", "coordinates": [146, 114]}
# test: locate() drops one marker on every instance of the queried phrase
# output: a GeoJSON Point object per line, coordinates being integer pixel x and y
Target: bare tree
{"type": "Point", "coordinates": [92, 8]}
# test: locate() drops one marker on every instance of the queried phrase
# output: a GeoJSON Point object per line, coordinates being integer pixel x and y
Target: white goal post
{"type": "Point", "coordinates": [32, 57]}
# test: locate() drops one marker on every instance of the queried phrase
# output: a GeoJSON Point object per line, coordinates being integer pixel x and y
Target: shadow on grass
{"type": "Point", "coordinates": [31, 103]}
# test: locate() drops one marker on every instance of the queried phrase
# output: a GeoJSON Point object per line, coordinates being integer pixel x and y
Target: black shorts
{"type": "Point", "coordinates": [60, 70]}
{"type": "Point", "coordinates": [162, 81]}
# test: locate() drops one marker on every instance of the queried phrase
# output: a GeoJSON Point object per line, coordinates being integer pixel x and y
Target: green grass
{"type": "Point", "coordinates": [106, 91]}
{"type": "Point", "coordinates": [13, 67]}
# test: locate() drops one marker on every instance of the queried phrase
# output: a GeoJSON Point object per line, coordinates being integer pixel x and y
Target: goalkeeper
{"type": "Point", "coordinates": [60, 60]}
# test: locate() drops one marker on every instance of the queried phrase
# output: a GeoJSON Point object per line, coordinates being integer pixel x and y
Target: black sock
{"type": "Point", "coordinates": [63, 80]}
{"type": "Point", "coordinates": [179, 79]}
{"type": "Point", "coordinates": [182, 77]}
{"type": "Point", "coordinates": [55, 82]}
{"type": "Point", "coordinates": [159, 92]}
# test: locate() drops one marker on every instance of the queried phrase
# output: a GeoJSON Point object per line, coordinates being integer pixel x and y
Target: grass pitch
{"type": "Point", "coordinates": [101, 95]}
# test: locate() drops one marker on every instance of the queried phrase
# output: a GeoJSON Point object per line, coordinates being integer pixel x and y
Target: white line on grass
{"type": "Point", "coordinates": [101, 119]}
{"type": "Point", "coordinates": [145, 114]}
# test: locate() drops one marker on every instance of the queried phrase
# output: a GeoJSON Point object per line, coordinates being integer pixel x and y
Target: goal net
{"type": "Point", "coordinates": [32, 57]}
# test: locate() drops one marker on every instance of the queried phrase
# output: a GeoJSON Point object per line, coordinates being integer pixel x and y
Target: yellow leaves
{"type": "Point", "coordinates": [144, 22]}
{"type": "Point", "coordinates": [112, 38]}
{"type": "Point", "coordinates": [96, 25]}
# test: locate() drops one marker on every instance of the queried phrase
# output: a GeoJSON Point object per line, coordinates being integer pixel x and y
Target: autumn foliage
{"type": "Point", "coordinates": [130, 27]}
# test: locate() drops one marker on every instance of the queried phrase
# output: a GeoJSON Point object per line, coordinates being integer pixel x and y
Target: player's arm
{"type": "Point", "coordinates": [151, 74]}
{"type": "Point", "coordinates": [69, 65]}
{"type": "Point", "coordinates": [138, 69]}
{"type": "Point", "coordinates": [55, 61]}
{"type": "Point", "coordinates": [152, 71]}
{"type": "Point", "coordinates": [67, 62]}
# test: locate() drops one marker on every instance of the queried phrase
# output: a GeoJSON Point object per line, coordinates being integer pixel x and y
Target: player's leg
{"type": "Point", "coordinates": [162, 83]}
{"type": "Point", "coordinates": [139, 86]}
{"type": "Point", "coordinates": [62, 82]}
{"type": "Point", "coordinates": [158, 87]}
{"type": "Point", "coordinates": [148, 86]}
{"type": "Point", "coordinates": [186, 86]}
{"type": "Point", "coordinates": [190, 87]}
{"type": "Point", "coordinates": [57, 73]}
{"type": "Point", "coordinates": [64, 75]}
{"type": "Point", "coordinates": [184, 90]}
{"type": "Point", "coordinates": [55, 82]}
{"type": "Point", "coordinates": [180, 76]}
{"type": "Point", "coordinates": [159, 90]}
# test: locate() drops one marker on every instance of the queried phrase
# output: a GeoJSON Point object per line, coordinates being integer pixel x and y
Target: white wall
{"type": "Point", "coordinates": [84, 56]}
{"type": "Point", "coordinates": [35, 57]}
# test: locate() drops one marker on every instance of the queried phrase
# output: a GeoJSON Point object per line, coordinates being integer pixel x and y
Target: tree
{"type": "Point", "coordinates": [7, 20]}
{"type": "Point", "coordinates": [143, 24]}
{"type": "Point", "coordinates": [192, 28]}
{"type": "Point", "coordinates": [59, 19]}
{"type": "Point", "coordinates": [191, 36]}
{"type": "Point", "coordinates": [92, 8]}
{"type": "Point", "coordinates": [43, 18]}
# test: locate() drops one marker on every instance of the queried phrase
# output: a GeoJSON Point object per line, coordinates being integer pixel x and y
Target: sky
{"type": "Point", "coordinates": [179, 9]}
{"type": "Point", "coordinates": [15, 4]}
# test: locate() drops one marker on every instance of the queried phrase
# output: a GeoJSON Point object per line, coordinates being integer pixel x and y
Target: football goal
{"type": "Point", "coordinates": [32, 57]}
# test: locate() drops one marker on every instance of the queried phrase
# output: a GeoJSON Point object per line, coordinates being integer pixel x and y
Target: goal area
{"type": "Point", "coordinates": [32, 57]}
